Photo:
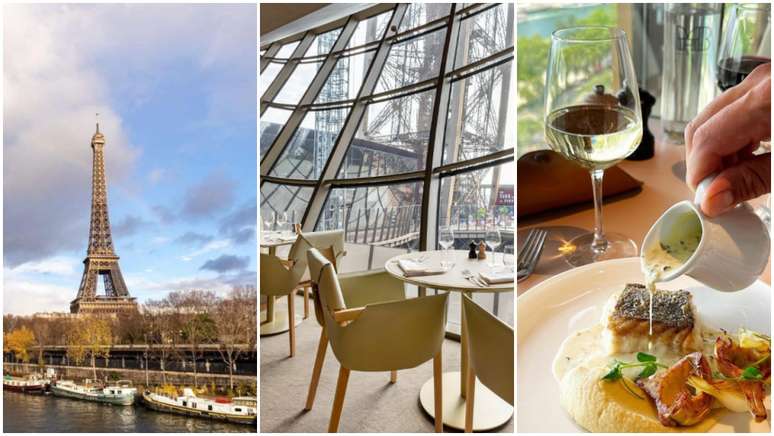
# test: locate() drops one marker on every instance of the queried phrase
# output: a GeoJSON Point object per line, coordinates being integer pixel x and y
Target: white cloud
{"type": "Point", "coordinates": [218, 244]}
{"type": "Point", "coordinates": [60, 265]}
{"type": "Point", "coordinates": [25, 297]}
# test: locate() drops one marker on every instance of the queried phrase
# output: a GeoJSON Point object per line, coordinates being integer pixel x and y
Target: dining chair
{"type": "Point", "coordinates": [490, 351]}
{"type": "Point", "coordinates": [279, 278]}
{"type": "Point", "coordinates": [330, 240]}
{"type": "Point", "coordinates": [358, 290]}
{"type": "Point", "coordinates": [387, 336]}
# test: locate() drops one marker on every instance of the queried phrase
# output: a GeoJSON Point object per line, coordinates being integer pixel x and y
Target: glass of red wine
{"type": "Point", "coordinates": [746, 43]}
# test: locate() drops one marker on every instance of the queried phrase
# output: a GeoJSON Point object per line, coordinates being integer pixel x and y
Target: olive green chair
{"type": "Point", "coordinates": [378, 337]}
{"type": "Point", "coordinates": [490, 350]}
{"type": "Point", "coordinates": [279, 279]}
{"type": "Point", "coordinates": [331, 240]}
{"type": "Point", "coordinates": [358, 290]}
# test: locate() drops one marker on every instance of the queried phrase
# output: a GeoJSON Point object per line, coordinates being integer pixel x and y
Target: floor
{"type": "Point", "coordinates": [372, 404]}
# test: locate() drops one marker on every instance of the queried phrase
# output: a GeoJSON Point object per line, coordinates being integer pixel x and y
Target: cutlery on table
{"type": "Point", "coordinates": [472, 278]}
{"type": "Point", "coordinates": [529, 254]}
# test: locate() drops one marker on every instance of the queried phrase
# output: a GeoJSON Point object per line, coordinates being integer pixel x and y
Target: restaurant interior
{"type": "Point", "coordinates": [387, 217]}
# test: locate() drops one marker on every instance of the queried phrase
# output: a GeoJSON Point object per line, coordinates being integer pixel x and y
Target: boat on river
{"type": "Point", "coordinates": [121, 393]}
{"type": "Point", "coordinates": [33, 383]}
{"type": "Point", "coordinates": [238, 410]}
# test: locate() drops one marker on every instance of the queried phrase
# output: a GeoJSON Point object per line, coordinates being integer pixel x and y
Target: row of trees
{"type": "Point", "coordinates": [172, 328]}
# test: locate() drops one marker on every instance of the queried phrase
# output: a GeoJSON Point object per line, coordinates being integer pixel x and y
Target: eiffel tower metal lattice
{"type": "Point", "coordinates": [101, 260]}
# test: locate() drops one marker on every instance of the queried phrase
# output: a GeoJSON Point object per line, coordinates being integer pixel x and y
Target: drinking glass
{"type": "Point", "coordinates": [746, 43]}
{"type": "Point", "coordinates": [268, 221]}
{"type": "Point", "coordinates": [592, 117]}
{"type": "Point", "coordinates": [493, 240]}
{"type": "Point", "coordinates": [282, 219]}
{"type": "Point", "coordinates": [446, 241]}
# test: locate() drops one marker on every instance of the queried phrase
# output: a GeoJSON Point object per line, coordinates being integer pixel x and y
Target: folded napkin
{"type": "Point", "coordinates": [412, 268]}
{"type": "Point", "coordinates": [497, 276]}
{"type": "Point", "coordinates": [548, 182]}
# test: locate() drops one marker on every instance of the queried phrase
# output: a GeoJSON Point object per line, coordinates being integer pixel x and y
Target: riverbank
{"type": "Point", "coordinates": [137, 377]}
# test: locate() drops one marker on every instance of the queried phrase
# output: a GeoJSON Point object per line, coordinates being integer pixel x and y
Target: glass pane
{"type": "Point", "coordinates": [481, 115]}
{"type": "Point", "coordinates": [484, 34]}
{"type": "Point", "coordinates": [346, 78]}
{"type": "Point", "coordinates": [268, 75]}
{"type": "Point", "coordinates": [379, 222]}
{"type": "Point", "coordinates": [370, 29]}
{"type": "Point", "coordinates": [298, 83]}
{"type": "Point", "coordinates": [285, 198]}
{"type": "Point", "coordinates": [323, 43]}
{"type": "Point", "coordinates": [392, 137]}
{"type": "Point", "coordinates": [418, 14]}
{"type": "Point", "coordinates": [412, 61]}
{"type": "Point", "coordinates": [468, 200]}
{"type": "Point", "coordinates": [271, 123]}
{"type": "Point", "coordinates": [287, 50]}
{"type": "Point", "coordinates": [308, 150]}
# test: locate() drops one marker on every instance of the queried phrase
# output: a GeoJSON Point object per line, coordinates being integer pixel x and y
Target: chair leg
{"type": "Point", "coordinates": [338, 400]}
{"type": "Point", "coordinates": [292, 324]}
{"type": "Point", "coordinates": [438, 392]}
{"type": "Point", "coordinates": [471, 387]}
{"type": "Point", "coordinates": [393, 376]}
{"type": "Point", "coordinates": [306, 302]}
{"type": "Point", "coordinates": [318, 364]}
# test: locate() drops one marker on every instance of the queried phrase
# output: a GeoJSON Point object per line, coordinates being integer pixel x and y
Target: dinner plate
{"type": "Point", "coordinates": [573, 300]}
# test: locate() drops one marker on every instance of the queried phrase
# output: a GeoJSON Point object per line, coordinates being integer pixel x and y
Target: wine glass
{"type": "Point", "coordinates": [493, 240]}
{"type": "Point", "coordinates": [268, 221]}
{"type": "Point", "coordinates": [446, 241]}
{"type": "Point", "coordinates": [746, 43]}
{"type": "Point", "coordinates": [282, 219]}
{"type": "Point", "coordinates": [592, 117]}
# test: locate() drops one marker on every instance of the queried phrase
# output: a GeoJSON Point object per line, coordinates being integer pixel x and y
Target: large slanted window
{"type": "Point", "coordinates": [390, 123]}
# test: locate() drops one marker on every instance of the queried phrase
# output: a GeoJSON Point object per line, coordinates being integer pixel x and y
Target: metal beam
{"type": "Point", "coordinates": [284, 74]}
{"type": "Point", "coordinates": [289, 129]}
{"type": "Point", "coordinates": [431, 185]}
{"type": "Point", "coordinates": [270, 53]}
{"type": "Point", "coordinates": [339, 150]}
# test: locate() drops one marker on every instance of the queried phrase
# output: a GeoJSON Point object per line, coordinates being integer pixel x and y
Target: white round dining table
{"type": "Point", "coordinates": [490, 411]}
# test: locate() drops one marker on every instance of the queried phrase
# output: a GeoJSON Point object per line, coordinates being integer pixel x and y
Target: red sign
{"type": "Point", "coordinates": [504, 196]}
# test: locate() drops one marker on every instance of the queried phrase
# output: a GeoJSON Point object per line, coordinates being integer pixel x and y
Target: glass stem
{"type": "Point", "coordinates": [600, 242]}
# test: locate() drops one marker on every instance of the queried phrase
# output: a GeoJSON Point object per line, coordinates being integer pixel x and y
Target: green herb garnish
{"type": "Point", "coordinates": [648, 362]}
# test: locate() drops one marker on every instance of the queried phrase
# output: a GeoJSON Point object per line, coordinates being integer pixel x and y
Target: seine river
{"type": "Point", "coordinates": [50, 414]}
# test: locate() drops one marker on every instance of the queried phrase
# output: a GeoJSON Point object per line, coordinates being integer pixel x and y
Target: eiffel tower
{"type": "Point", "coordinates": [101, 260]}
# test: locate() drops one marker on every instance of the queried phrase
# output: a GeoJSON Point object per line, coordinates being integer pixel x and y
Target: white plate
{"type": "Point", "coordinates": [573, 300]}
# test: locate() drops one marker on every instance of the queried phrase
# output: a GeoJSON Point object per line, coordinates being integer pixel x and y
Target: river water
{"type": "Point", "coordinates": [50, 414]}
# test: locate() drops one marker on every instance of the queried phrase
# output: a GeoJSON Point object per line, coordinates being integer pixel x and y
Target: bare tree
{"type": "Point", "coordinates": [235, 321]}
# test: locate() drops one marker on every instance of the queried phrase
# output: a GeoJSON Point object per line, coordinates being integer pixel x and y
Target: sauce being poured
{"type": "Point", "coordinates": [670, 253]}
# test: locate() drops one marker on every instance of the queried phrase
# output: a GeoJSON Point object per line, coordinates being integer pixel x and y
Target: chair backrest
{"type": "Point", "coordinates": [490, 346]}
{"type": "Point", "coordinates": [325, 283]}
{"type": "Point", "coordinates": [276, 279]}
{"type": "Point", "coordinates": [320, 240]}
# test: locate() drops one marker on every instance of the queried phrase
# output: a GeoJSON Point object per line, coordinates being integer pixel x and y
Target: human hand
{"type": "Point", "coordinates": [722, 139]}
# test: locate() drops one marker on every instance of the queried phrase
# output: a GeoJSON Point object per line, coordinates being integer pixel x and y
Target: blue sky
{"type": "Point", "coordinates": [175, 87]}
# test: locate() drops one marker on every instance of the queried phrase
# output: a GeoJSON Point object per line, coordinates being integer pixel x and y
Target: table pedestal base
{"type": "Point", "coordinates": [490, 411]}
{"type": "Point", "coordinates": [279, 324]}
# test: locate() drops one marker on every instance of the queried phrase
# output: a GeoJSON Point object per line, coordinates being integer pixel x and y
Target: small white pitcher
{"type": "Point", "coordinates": [733, 250]}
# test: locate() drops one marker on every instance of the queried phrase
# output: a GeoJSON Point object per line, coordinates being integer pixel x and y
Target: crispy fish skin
{"type": "Point", "coordinates": [674, 325]}
{"type": "Point", "coordinates": [676, 405]}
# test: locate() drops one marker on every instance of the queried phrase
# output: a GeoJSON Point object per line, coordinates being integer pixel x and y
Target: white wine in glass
{"type": "Point", "coordinates": [593, 118]}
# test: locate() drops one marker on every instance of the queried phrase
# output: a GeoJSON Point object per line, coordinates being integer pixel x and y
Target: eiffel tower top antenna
{"type": "Point", "coordinates": [97, 117]}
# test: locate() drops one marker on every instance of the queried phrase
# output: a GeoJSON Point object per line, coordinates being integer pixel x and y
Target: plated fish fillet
{"type": "Point", "coordinates": [675, 325]}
